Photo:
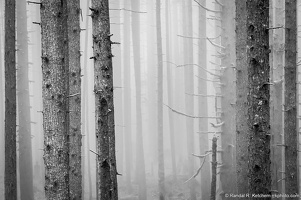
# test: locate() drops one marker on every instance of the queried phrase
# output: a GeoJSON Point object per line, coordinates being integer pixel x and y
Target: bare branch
{"type": "Point", "coordinates": [214, 44]}
{"type": "Point", "coordinates": [217, 125]}
{"type": "Point", "coordinates": [33, 2]}
{"type": "Point", "coordinates": [201, 156]}
{"type": "Point", "coordinates": [207, 79]}
{"type": "Point", "coordinates": [219, 3]}
{"type": "Point", "coordinates": [198, 171]}
{"type": "Point", "coordinates": [189, 37]}
{"type": "Point", "coordinates": [199, 67]}
{"type": "Point", "coordinates": [207, 9]}
{"type": "Point", "coordinates": [127, 10]}
{"type": "Point", "coordinates": [94, 152]}
{"type": "Point", "coordinates": [204, 95]}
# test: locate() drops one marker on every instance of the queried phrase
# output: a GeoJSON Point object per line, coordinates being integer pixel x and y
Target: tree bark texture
{"type": "Point", "coordinates": [74, 126]}
{"type": "Point", "coordinates": [10, 174]}
{"type": "Point", "coordinates": [290, 90]}
{"type": "Point", "coordinates": [24, 128]}
{"type": "Point", "coordinates": [55, 98]}
{"type": "Point", "coordinates": [253, 134]}
{"type": "Point", "coordinates": [104, 105]}
{"type": "Point", "coordinates": [227, 171]}
{"type": "Point", "coordinates": [213, 169]}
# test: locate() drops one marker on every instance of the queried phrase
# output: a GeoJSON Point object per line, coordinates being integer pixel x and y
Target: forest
{"type": "Point", "coordinates": [150, 99]}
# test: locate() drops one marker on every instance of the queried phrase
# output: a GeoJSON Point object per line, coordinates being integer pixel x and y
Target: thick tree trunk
{"type": "Point", "coordinates": [55, 98]}
{"type": "Point", "coordinates": [290, 109]}
{"type": "Point", "coordinates": [213, 169]}
{"type": "Point", "coordinates": [10, 176]}
{"type": "Point", "coordinates": [104, 105]}
{"type": "Point", "coordinates": [160, 103]}
{"type": "Point", "coordinates": [202, 101]}
{"type": "Point", "coordinates": [75, 173]}
{"type": "Point", "coordinates": [227, 171]}
{"type": "Point", "coordinates": [253, 137]}
{"type": "Point", "coordinates": [2, 154]}
{"type": "Point", "coordinates": [140, 163]}
{"type": "Point", "coordinates": [24, 128]}
{"type": "Point", "coordinates": [127, 97]}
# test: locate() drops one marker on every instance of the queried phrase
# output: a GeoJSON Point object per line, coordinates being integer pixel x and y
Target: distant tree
{"type": "Point", "coordinates": [10, 176]}
{"type": "Point", "coordinates": [74, 103]}
{"type": "Point", "coordinates": [104, 105]}
{"type": "Point", "coordinates": [140, 163]}
{"type": "Point", "coordinates": [253, 95]}
{"type": "Point", "coordinates": [291, 141]}
{"type": "Point", "coordinates": [24, 128]}
{"type": "Point", "coordinates": [55, 97]}
{"type": "Point", "coordinates": [160, 103]}
{"type": "Point", "coordinates": [127, 96]}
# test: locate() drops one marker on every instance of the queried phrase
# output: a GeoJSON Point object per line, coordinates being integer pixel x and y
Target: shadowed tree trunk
{"type": "Point", "coordinates": [104, 105]}
{"type": "Point", "coordinates": [140, 163]}
{"type": "Point", "coordinates": [290, 90]}
{"type": "Point", "coordinates": [2, 157]}
{"type": "Point", "coordinates": [253, 137]}
{"type": "Point", "coordinates": [160, 103]}
{"type": "Point", "coordinates": [213, 169]}
{"type": "Point", "coordinates": [24, 128]}
{"type": "Point", "coordinates": [55, 98]}
{"type": "Point", "coordinates": [75, 137]}
{"type": "Point", "coordinates": [10, 176]}
{"type": "Point", "coordinates": [127, 96]}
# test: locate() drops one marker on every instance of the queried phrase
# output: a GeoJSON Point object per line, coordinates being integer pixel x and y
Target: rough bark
{"type": "Point", "coordinates": [170, 92]}
{"type": "Point", "coordinates": [253, 138]}
{"type": "Point", "coordinates": [227, 171]}
{"type": "Point", "coordinates": [140, 163]}
{"type": "Point", "coordinates": [24, 128]}
{"type": "Point", "coordinates": [160, 103]}
{"type": "Point", "coordinates": [202, 100]}
{"type": "Point", "coordinates": [55, 98]}
{"type": "Point", "coordinates": [213, 169]}
{"type": "Point", "coordinates": [277, 61]}
{"type": "Point", "coordinates": [74, 126]}
{"type": "Point", "coordinates": [290, 107]}
{"type": "Point", "coordinates": [10, 174]}
{"type": "Point", "coordinates": [1, 99]}
{"type": "Point", "coordinates": [104, 105]}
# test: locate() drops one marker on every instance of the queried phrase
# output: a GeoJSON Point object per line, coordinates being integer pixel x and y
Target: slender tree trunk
{"type": "Point", "coordinates": [104, 105]}
{"type": "Point", "coordinates": [213, 169]}
{"type": "Point", "coordinates": [253, 138]}
{"type": "Point", "coordinates": [170, 92]}
{"type": "Point", "coordinates": [202, 101]}
{"type": "Point", "coordinates": [127, 97]}
{"type": "Point", "coordinates": [140, 163]}
{"type": "Point", "coordinates": [290, 108]}
{"type": "Point", "coordinates": [10, 175]}
{"type": "Point", "coordinates": [160, 103]}
{"type": "Point", "coordinates": [55, 94]}
{"type": "Point", "coordinates": [75, 137]}
{"type": "Point", "coordinates": [189, 89]}
{"type": "Point", "coordinates": [227, 175]}
{"type": "Point", "coordinates": [277, 152]}
{"type": "Point", "coordinates": [24, 128]}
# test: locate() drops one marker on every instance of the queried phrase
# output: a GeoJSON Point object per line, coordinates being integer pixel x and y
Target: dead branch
{"type": "Point", "coordinates": [127, 10]}
{"type": "Point", "coordinates": [33, 2]}
{"type": "Point", "coordinates": [206, 132]}
{"type": "Point", "coordinates": [189, 37]}
{"type": "Point", "coordinates": [198, 171]}
{"type": "Point", "coordinates": [216, 45]}
{"type": "Point", "coordinates": [199, 67]}
{"type": "Point", "coordinates": [190, 116]}
{"type": "Point", "coordinates": [207, 79]}
{"type": "Point", "coordinates": [277, 27]}
{"type": "Point", "coordinates": [219, 3]}
{"type": "Point", "coordinates": [207, 9]}
{"type": "Point", "coordinates": [217, 125]}
{"type": "Point", "coordinates": [94, 152]}
{"type": "Point", "coordinates": [201, 156]}
{"type": "Point", "coordinates": [204, 95]}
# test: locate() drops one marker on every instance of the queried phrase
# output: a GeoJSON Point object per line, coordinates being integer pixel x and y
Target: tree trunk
{"type": "Point", "coordinates": [140, 163]}
{"type": "Point", "coordinates": [104, 105]}
{"type": "Point", "coordinates": [170, 92]}
{"type": "Point", "coordinates": [24, 128]}
{"type": "Point", "coordinates": [277, 152]}
{"type": "Point", "coordinates": [189, 89]}
{"type": "Point", "coordinates": [160, 103]}
{"type": "Point", "coordinates": [290, 91]}
{"type": "Point", "coordinates": [127, 97]}
{"type": "Point", "coordinates": [202, 101]}
{"type": "Point", "coordinates": [55, 95]}
{"type": "Point", "coordinates": [75, 137]}
{"type": "Point", "coordinates": [213, 169]}
{"type": "Point", "coordinates": [253, 134]}
{"type": "Point", "coordinates": [10, 175]}
{"type": "Point", "coordinates": [227, 175]}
